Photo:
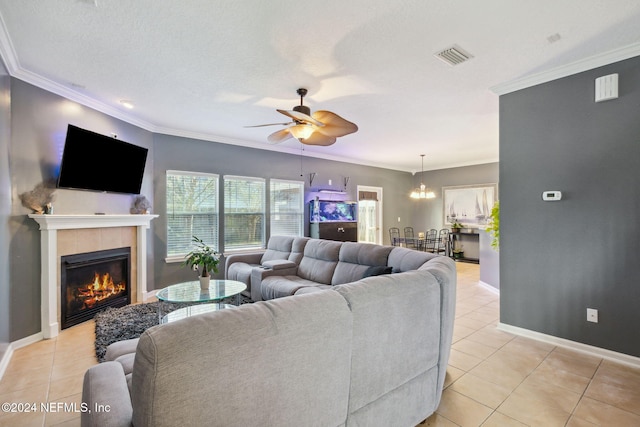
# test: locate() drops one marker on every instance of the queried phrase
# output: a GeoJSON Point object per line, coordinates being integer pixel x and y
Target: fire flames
{"type": "Point", "coordinates": [100, 289]}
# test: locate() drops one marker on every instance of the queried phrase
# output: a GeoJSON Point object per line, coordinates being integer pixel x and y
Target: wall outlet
{"type": "Point", "coordinates": [592, 315]}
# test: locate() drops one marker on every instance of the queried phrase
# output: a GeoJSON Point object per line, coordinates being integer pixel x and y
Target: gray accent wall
{"type": "Point", "coordinates": [559, 258]}
{"type": "Point", "coordinates": [5, 206]}
{"type": "Point", "coordinates": [223, 159]}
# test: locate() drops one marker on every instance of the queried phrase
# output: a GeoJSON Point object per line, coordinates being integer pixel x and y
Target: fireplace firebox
{"type": "Point", "coordinates": [93, 281]}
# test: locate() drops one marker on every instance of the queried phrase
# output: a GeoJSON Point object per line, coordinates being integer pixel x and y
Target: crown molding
{"type": "Point", "coordinates": [576, 67]}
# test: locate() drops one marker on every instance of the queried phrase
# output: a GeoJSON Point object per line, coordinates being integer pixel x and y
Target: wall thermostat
{"type": "Point", "coordinates": [551, 196]}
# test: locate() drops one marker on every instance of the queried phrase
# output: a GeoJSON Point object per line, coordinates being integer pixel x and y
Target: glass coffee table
{"type": "Point", "coordinates": [190, 292]}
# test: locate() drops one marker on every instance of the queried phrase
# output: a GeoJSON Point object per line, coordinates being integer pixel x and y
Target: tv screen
{"type": "Point", "coordinates": [324, 211]}
{"type": "Point", "coordinates": [91, 161]}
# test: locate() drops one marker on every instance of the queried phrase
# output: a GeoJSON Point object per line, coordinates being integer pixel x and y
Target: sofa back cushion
{"type": "Point", "coordinates": [356, 258]}
{"type": "Point", "coordinates": [292, 355]}
{"type": "Point", "coordinates": [396, 347]}
{"type": "Point", "coordinates": [297, 249]}
{"type": "Point", "coordinates": [403, 259]}
{"type": "Point", "coordinates": [319, 260]}
{"type": "Point", "coordinates": [278, 247]}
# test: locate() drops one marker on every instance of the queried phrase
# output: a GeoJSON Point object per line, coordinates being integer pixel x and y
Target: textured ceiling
{"type": "Point", "coordinates": [207, 68]}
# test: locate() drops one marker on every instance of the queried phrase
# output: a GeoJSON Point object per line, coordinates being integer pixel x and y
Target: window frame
{"type": "Point", "coordinates": [175, 257]}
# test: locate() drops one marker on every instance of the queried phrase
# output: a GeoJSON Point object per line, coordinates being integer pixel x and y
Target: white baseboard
{"type": "Point", "coordinates": [489, 287]}
{"type": "Point", "coordinates": [6, 357]}
{"type": "Point", "coordinates": [573, 345]}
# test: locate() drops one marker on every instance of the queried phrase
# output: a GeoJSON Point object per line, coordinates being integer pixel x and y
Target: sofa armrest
{"type": "Point", "coordinates": [279, 264]}
{"type": "Point", "coordinates": [106, 394]}
{"type": "Point", "coordinates": [259, 273]}
{"type": "Point", "coordinates": [252, 258]}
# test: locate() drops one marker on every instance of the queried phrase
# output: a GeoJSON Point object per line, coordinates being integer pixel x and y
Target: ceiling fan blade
{"type": "Point", "coordinates": [301, 117]}
{"type": "Point", "coordinates": [271, 124]}
{"type": "Point", "coordinates": [279, 136]}
{"type": "Point", "coordinates": [317, 138]}
{"type": "Point", "coordinates": [334, 125]}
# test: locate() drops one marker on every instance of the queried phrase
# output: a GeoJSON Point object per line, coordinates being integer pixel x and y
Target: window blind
{"type": "Point", "coordinates": [244, 213]}
{"type": "Point", "coordinates": [192, 210]}
{"type": "Point", "coordinates": [286, 207]}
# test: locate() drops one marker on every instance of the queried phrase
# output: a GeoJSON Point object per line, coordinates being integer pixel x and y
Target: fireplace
{"type": "Point", "coordinates": [93, 281]}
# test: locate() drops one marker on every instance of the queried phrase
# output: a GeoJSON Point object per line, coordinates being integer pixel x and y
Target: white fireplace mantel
{"type": "Point", "coordinates": [49, 226]}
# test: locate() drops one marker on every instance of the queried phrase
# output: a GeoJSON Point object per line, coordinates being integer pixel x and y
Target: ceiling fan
{"type": "Point", "coordinates": [320, 128]}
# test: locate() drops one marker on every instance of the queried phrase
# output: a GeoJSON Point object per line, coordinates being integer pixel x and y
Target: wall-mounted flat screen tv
{"type": "Point", "coordinates": [324, 211]}
{"type": "Point", "coordinates": [91, 161]}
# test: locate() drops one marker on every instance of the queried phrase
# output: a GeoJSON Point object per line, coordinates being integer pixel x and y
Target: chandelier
{"type": "Point", "coordinates": [422, 192]}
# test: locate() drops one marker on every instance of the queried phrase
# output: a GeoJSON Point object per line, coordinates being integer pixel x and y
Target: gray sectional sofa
{"type": "Point", "coordinates": [370, 352]}
{"type": "Point", "coordinates": [296, 265]}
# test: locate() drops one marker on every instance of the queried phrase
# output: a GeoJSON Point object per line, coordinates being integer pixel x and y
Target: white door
{"type": "Point", "coordinates": [370, 214]}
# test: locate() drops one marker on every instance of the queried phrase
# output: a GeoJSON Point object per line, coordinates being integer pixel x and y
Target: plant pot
{"type": "Point", "coordinates": [455, 230]}
{"type": "Point", "coordinates": [458, 255]}
{"type": "Point", "coordinates": [204, 282]}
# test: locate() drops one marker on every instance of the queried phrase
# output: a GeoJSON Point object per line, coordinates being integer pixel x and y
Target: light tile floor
{"type": "Point", "coordinates": [494, 378]}
{"type": "Point", "coordinates": [498, 379]}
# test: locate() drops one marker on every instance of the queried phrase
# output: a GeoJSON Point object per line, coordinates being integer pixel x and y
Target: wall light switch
{"type": "Point", "coordinates": [398, 219]}
{"type": "Point", "coordinates": [592, 315]}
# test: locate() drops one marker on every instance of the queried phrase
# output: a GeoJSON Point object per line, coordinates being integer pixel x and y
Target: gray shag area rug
{"type": "Point", "coordinates": [123, 323]}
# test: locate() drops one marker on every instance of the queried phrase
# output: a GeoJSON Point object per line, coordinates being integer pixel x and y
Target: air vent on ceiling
{"type": "Point", "coordinates": [454, 55]}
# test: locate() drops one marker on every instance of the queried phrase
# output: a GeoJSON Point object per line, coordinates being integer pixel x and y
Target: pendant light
{"type": "Point", "coordinates": [422, 192]}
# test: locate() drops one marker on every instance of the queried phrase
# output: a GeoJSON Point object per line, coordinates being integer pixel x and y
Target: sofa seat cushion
{"type": "Point", "coordinates": [283, 286]}
{"type": "Point", "coordinates": [120, 348]}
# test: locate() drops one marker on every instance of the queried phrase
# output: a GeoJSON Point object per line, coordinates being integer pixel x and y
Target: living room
{"type": "Point", "coordinates": [557, 258]}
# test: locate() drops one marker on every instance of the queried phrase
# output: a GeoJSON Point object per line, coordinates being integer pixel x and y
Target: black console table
{"type": "Point", "coordinates": [470, 240]}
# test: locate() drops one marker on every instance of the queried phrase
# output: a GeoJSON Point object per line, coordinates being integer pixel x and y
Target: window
{"type": "Point", "coordinates": [287, 208]}
{"type": "Point", "coordinates": [192, 210]}
{"type": "Point", "coordinates": [244, 213]}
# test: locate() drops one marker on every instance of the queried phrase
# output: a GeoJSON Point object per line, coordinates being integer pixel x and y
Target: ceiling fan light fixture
{"type": "Point", "coordinates": [301, 130]}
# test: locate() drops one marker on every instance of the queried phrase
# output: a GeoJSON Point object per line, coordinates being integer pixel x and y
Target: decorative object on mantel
{"type": "Point", "coordinates": [141, 205]}
{"type": "Point", "coordinates": [422, 192]}
{"type": "Point", "coordinates": [202, 256]}
{"type": "Point", "coordinates": [39, 199]}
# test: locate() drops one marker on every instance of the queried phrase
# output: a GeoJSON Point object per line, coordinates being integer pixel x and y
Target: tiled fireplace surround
{"type": "Point", "coordinates": [73, 234]}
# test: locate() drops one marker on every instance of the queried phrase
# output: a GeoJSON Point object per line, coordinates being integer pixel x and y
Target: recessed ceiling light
{"type": "Point", "coordinates": [126, 103]}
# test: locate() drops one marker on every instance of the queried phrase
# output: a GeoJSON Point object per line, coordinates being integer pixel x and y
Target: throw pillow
{"type": "Point", "coordinates": [376, 270]}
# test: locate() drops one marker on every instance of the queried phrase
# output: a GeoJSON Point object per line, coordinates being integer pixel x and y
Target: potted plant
{"type": "Point", "coordinates": [203, 259]}
{"type": "Point", "coordinates": [458, 251]}
{"type": "Point", "coordinates": [494, 226]}
{"type": "Point", "coordinates": [456, 227]}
